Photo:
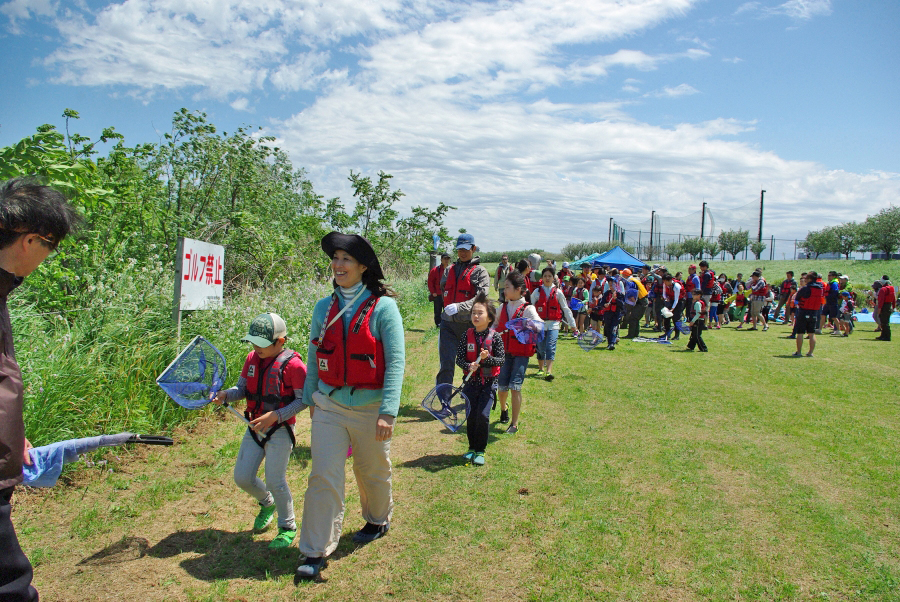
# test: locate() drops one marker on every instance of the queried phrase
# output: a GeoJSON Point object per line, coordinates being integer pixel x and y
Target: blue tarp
{"type": "Point", "coordinates": [619, 258]}
{"type": "Point", "coordinates": [587, 259]}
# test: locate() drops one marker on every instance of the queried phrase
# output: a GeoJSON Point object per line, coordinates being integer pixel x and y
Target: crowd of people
{"type": "Point", "coordinates": [604, 299]}
{"type": "Point", "coordinates": [356, 359]}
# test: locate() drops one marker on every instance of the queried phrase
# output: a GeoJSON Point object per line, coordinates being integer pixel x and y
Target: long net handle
{"type": "Point", "coordinates": [236, 413]}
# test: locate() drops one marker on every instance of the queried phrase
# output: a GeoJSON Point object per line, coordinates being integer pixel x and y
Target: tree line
{"type": "Point", "coordinates": [879, 233]}
{"type": "Point", "coordinates": [235, 189]}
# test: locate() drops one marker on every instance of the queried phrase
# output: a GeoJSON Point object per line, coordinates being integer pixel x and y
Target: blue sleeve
{"type": "Point", "coordinates": [390, 333]}
{"type": "Point", "coordinates": [312, 366]}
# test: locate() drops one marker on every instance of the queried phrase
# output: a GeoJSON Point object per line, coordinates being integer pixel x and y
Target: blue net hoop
{"type": "Point", "coordinates": [589, 339]}
{"type": "Point", "coordinates": [195, 375]}
{"type": "Point", "coordinates": [448, 404]}
{"type": "Point", "coordinates": [526, 330]}
{"type": "Point", "coordinates": [576, 304]}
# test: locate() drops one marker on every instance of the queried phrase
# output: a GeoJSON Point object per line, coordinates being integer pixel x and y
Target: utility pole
{"type": "Point", "coordinates": [702, 224]}
{"type": "Point", "coordinates": [609, 238]}
{"type": "Point", "coordinates": [762, 194]}
{"type": "Point", "coordinates": [652, 215]}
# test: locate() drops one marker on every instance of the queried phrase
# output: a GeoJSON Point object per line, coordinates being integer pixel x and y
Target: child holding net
{"type": "Point", "coordinates": [272, 382]}
{"type": "Point", "coordinates": [512, 373]}
{"type": "Point", "coordinates": [480, 352]}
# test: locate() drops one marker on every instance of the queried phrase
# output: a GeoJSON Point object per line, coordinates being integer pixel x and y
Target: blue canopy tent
{"type": "Point", "coordinates": [588, 259]}
{"type": "Point", "coordinates": [619, 258]}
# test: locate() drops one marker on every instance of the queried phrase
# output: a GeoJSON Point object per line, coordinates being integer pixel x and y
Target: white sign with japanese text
{"type": "Point", "coordinates": [202, 267]}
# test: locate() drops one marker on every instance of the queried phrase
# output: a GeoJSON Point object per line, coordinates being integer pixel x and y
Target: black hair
{"type": "Point", "coordinates": [667, 276]}
{"type": "Point", "coordinates": [376, 285]}
{"type": "Point", "coordinates": [522, 265]}
{"type": "Point", "coordinates": [28, 207]}
{"type": "Point", "coordinates": [704, 264]}
{"type": "Point", "coordinates": [517, 279]}
{"type": "Point", "coordinates": [812, 276]}
{"type": "Point", "coordinates": [791, 273]}
{"type": "Point", "coordinates": [483, 299]}
{"type": "Point", "coordinates": [548, 269]}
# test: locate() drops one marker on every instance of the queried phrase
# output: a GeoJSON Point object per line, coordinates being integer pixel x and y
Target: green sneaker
{"type": "Point", "coordinates": [264, 518]}
{"type": "Point", "coordinates": [539, 373]}
{"type": "Point", "coordinates": [284, 538]}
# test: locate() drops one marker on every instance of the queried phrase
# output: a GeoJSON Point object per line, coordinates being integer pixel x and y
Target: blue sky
{"type": "Point", "coordinates": [538, 119]}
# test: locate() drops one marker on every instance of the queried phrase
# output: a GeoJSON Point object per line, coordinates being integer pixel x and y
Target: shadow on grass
{"type": "Point", "coordinates": [226, 555]}
{"type": "Point", "coordinates": [435, 462]}
{"type": "Point", "coordinates": [416, 414]}
{"type": "Point", "coordinates": [789, 356]}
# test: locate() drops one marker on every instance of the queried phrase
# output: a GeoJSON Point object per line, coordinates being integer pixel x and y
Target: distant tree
{"type": "Point", "coordinates": [881, 232]}
{"type": "Point", "coordinates": [577, 250]}
{"type": "Point", "coordinates": [847, 238]}
{"type": "Point", "coordinates": [711, 247]}
{"type": "Point", "coordinates": [818, 242]}
{"type": "Point", "coordinates": [693, 246]}
{"type": "Point", "coordinates": [757, 247]}
{"type": "Point", "coordinates": [675, 249]}
{"type": "Point", "coordinates": [734, 241]}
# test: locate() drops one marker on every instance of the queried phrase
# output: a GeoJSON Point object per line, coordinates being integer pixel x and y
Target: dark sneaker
{"type": "Point", "coordinates": [370, 533]}
{"type": "Point", "coordinates": [512, 430]}
{"type": "Point", "coordinates": [504, 416]}
{"type": "Point", "coordinates": [549, 377]}
{"type": "Point", "coordinates": [310, 569]}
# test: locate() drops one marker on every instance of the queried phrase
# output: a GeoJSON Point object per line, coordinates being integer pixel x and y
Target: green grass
{"type": "Point", "coordinates": [640, 474]}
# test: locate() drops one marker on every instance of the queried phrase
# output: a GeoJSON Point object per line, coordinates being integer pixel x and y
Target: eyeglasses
{"type": "Point", "coordinates": [54, 245]}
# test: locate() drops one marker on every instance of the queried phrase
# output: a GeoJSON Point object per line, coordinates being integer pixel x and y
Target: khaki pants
{"type": "Point", "coordinates": [334, 428]}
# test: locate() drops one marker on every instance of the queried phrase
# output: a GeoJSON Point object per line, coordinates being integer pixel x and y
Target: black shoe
{"type": "Point", "coordinates": [549, 378]}
{"type": "Point", "coordinates": [504, 416]}
{"type": "Point", "coordinates": [611, 348]}
{"type": "Point", "coordinates": [370, 533]}
{"type": "Point", "coordinates": [310, 569]}
{"type": "Point", "coordinates": [793, 336]}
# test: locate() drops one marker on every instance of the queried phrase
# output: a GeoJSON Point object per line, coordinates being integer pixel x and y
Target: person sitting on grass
{"type": "Point", "coordinates": [809, 300]}
{"type": "Point", "coordinates": [272, 382]}
{"type": "Point", "coordinates": [480, 353]}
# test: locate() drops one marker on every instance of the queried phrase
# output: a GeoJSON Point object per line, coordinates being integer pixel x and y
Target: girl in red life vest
{"type": "Point", "coordinates": [551, 306]}
{"type": "Point", "coordinates": [594, 306]}
{"type": "Point", "coordinates": [272, 382]}
{"type": "Point", "coordinates": [740, 304]}
{"type": "Point", "coordinates": [485, 344]}
{"type": "Point", "coordinates": [512, 373]}
{"type": "Point", "coordinates": [581, 293]}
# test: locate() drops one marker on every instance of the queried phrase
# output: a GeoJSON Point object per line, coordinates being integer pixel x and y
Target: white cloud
{"type": "Point", "coordinates": [241, 104]}
{"type": "Point", "coordinates": [796, 9]}
{"type": "Point", "coordinates": [805, 9]}
{"type": "Point", "coordinates": [679, 90]}
{"type": "Point", "coordinates": [434, 96]}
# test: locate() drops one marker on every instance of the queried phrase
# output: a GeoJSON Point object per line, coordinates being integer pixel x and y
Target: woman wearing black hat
{"type": "Point", "coordinates": [355, 374]}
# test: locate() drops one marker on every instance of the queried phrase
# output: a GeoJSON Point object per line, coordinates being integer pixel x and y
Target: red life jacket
{"type": "Point", "coordinates": [763, 292]}
{"type": "Point", "coordinates": [670, 292]}
{"type": "Point", "coordinates": [609, 299]}
{"type": "Point", "coordinates": [786, 286]}
{"type": "Point", "coordinates": [358, 361]}
{"type": "Point", "coordinates": [740, 299]}
{"type": "Point", "coordinates": [548, 309]}
{"type": "Point", "coordinates": [511, 344]}
{"type": "Point", "coordinates": [684, 292]}
{"type": "Point", "coordinates": [458, 287]}
{"type": "Point", "coordinates": [814, 301]}
{"type": "Point", "coordinates": [689, 283]}
{"type": "Point", "coordinates": [266, 393]}
{"type": "Point", "coordinates": [472, 353]}
{"type": "Point", "coordinates": [703, 311]}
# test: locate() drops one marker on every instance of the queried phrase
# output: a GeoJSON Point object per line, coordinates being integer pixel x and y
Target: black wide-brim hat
{"type": "Point", "coordinates": [358, 247]}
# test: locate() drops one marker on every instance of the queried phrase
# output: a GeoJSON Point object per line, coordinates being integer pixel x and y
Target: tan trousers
{"type": "Point", "coordinates": [334, 428]}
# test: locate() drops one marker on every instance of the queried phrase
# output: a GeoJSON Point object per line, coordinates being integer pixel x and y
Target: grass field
{"type": "Point", "coordinates": [644, 473]}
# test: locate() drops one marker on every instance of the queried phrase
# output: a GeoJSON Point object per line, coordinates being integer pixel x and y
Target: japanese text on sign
{"type": "Point", "coordinates": [202, 269]}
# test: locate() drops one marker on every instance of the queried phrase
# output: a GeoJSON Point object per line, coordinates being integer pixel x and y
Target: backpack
{"type": "Point", "coordinates": [631, 292]}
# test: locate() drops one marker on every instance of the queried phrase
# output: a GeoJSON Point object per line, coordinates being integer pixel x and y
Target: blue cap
{"type": "Point", "coordinates": [465, 241]}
